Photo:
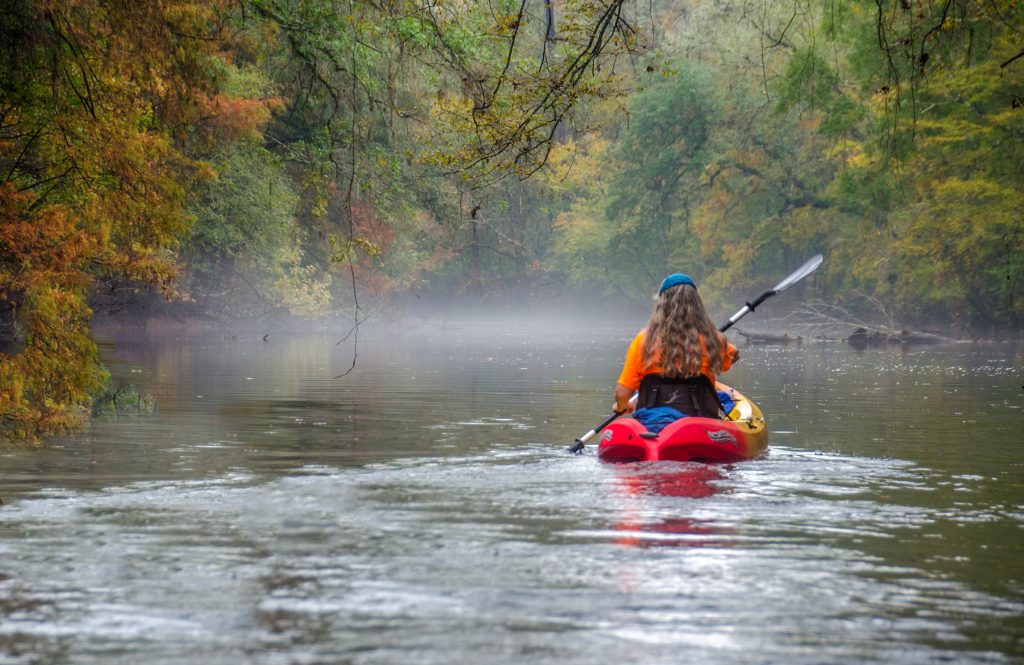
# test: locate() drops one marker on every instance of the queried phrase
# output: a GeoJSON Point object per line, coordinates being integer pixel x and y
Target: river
{"type": "Point", "coordinates": [421, 509]}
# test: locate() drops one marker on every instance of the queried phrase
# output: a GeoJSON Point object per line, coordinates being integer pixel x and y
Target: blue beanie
{"type": "Point", "coordinates": [675, 279]}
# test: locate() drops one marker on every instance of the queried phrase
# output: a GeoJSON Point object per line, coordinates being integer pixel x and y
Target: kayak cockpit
{"type": "Point", "coordinates": [742, 435]}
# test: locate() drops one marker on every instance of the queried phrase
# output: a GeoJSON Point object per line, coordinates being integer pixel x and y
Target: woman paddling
{"type": "Point", "coordinates": [673, 362]}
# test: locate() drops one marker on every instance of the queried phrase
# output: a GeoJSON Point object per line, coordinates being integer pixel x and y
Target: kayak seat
{"type": "Point", "coordinates": [692, 396]}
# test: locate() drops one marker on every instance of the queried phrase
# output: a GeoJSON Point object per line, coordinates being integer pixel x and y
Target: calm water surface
{"type": "Point", "coordinates": [421, 510]}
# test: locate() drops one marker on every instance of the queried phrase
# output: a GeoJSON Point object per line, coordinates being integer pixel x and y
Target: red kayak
{"type": "Point", "coordinates": [742, 435]}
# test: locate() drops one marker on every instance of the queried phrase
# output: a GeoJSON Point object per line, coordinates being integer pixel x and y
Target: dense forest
{"type": "Point", "coordinates": [316, 157]}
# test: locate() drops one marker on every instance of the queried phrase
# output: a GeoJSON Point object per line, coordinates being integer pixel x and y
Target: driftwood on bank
{"type": "Point", "coordinates": [861, 338]}
{"type": "Point", "coordinates": [831, 322]}
{"type": "Point", "coordinates": [769, 338]}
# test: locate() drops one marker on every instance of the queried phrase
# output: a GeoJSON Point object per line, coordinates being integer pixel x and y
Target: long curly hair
{"type": "Point", "coordinates": [674, 332]}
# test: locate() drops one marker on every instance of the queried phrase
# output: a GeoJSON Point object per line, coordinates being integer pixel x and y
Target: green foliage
{"type": "Point", "coordinates": [698, 182]}
{"type": "Point", "coordinates": [632, 200]}
{"type": "Point", "coordinates": [246, 237]}
{"type": "Point", "coordinates": [809, 84]}
{"type": "Point", "coordinates": [123, 400]}
{"type": "Point", "coordinates": [936, 178]}
{"type": "Point", "coordinates": [893, 144]}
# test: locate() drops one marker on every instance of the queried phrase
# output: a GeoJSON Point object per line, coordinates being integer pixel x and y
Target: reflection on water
{"type": "Point", "coordinates": [665, 528]}
{"type": "Point", "coordinates": [423, 510]}
{"type": "Point", "coordinates": [691, 480]}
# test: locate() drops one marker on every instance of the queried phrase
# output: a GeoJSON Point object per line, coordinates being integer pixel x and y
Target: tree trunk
{"type": "Point", "coordinates": [474, 280]}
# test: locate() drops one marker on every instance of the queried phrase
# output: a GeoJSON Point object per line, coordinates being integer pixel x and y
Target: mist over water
{"type": "Point", "coordinates": [422, 508]}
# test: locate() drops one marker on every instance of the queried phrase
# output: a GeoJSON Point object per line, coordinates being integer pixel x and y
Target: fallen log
{"type": "Point", "coordinates": [769, 338]}
{"type": "Point", "coordinates": [861, 338]}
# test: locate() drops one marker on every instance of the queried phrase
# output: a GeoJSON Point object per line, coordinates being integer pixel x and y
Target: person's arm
{"type": "Point", "coordinates": [631, 375]}
{"type": "Point", "coordinates": [730, 354]}
{"type": "Point", "coordinates": [622, 397]}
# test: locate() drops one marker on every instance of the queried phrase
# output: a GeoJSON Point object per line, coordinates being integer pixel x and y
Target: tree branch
{"type": "Point", "coordinates": [1014, 58]}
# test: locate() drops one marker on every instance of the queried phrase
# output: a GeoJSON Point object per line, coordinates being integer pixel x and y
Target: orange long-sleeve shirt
{"type": "Point", "coordinates": [634, 370]}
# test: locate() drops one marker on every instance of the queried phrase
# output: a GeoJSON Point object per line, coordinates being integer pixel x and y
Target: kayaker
{"type": "Point", "coordinates": [673, 362]}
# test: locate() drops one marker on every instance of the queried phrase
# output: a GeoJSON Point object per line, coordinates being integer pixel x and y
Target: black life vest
{"type": "Point", "coordinates": [694, 395]}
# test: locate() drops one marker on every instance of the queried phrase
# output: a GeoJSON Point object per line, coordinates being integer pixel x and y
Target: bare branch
{"type": "Point", "coordinates": [1011, 60]}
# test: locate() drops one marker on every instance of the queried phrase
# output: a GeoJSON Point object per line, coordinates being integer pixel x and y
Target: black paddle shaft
{"type": "Point", "coordinates": [577, 447]}
{"type": "Point", "coordinates": [749, 307]}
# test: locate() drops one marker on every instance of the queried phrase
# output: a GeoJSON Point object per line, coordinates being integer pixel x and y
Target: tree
{"type": "Point", "coordinates": [98, 99]}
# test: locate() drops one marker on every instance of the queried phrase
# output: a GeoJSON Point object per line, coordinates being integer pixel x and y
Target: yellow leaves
{"type": "Point", "coordinates": [1007, 120]}
{"type": "Point", "coordinates": [55, 372]}
{"type": "Point", "coordinates": [799, 231]}
{"type": "Point", "coordinates": [506, 23]}
{"type": "Point", "coordinates": [303, 291]}
{"type": "Point", "coordinates": [950, 131]}
{"type": "Point", "coordinates": [205, 171]}
{"type": "Point", "coordinates": [852, 153]}
{"type": "Point", "coordinates": [975, 190]}
{"type": "Point", "coordinates": [320, 202]}
{"type": "Point", "coordinates": [580, 168]}
{"type": "Point", "coordinates": [344, 248]}
{"type": "Point", "coordinates": [882, 99]}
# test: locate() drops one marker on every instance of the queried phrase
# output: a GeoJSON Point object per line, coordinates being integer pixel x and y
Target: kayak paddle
{"type": "Point", "coordinates": [798, 274]}
{"type": "Point", "coordinates": [803, 271]}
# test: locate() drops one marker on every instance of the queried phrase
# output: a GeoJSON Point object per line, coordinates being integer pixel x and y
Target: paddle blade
{"type": "Point", "coordinates": [798, 274]}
